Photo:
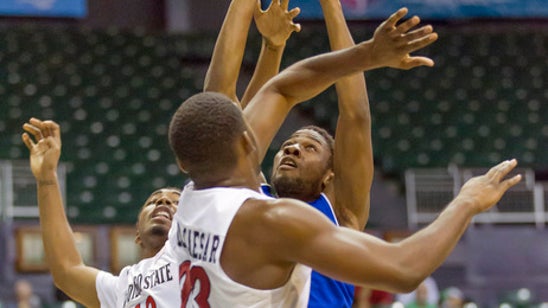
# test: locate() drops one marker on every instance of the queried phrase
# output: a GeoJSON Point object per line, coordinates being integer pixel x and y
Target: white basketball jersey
{"type": "Point", "coordinates": [151, 283]}
{"type": "Point", "coordinates": [197, 237]}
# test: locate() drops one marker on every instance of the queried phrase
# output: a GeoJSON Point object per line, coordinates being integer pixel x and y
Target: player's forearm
{"type": "Point", "coordinates": [426, 250]}
{"type": "Point", "coordinates": [354, 169]}
{"type": "Point", "coordinates": [354, 180]}
{"type": "Point", "coordinates": [57, 235]}
{"type": "Point", "coordinates": [308, 78]}
{"type": "Point", "coordinates": [298, 83]}
{"type": "Point", "coordinates": [353, 158]}
{"type": "Point", "coordinates": [223, 71]}
{"type": "Point", "coordinates": [337, 29]}
{"type": "Point", "coordinates": [268, 65]}
{"type": "Point", "coordinates": [65, 263]}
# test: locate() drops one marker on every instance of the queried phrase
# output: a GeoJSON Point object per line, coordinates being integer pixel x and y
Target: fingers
{"type": "Point", "coordinates": [27, 141]}
{"type": "Point", "coordinates": [417, 34]}
{"type": "Point", "coordinates": [394, 18]}
{"type": "Point", "coordinates": [408, 24]}
{"type": "Point", "coordinates": [511, 181]}
{"type": "Point", "coordinates": [499, 171]}
{"type": "Point", "coordinates": [412, 62]}
{"type": "Point", "coordinates": [34, 131]}
{"type": "Point", "coordinates": [284, 4]}
{"type": "Point", "coordinates": [294, 12]}
{"type": "Point", "coordinates": [505, 167]}
{"type": "Point", "coordinates": [52, 129]}
{"type": "Point", "coordinates": [421, 42]}
{"type": "Point", "coordinates": [40, 130]}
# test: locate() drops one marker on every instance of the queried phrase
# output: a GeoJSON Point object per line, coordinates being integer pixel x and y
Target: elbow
{"type": "Point", "coordinates": [357, 116]}
{"type": "Point", "coordinates": [59, 276]}
{"type": "Point", "coordinates": [225, 89]}
{"type": "Point", "coordinates": [63, 275]}
{"type": "Point", "coordinates": [409, 280]}
{"type": "Point", "coordinates": [408, 286]}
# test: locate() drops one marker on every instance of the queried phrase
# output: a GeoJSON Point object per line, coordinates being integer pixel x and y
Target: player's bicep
{"type": "Point", "coordinates": [341, 253]}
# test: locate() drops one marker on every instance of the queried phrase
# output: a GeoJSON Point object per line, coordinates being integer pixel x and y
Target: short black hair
{"type": "Point", "coordinates": [328, 139]}
{"type": "Point", "coordinates": [203, 130]}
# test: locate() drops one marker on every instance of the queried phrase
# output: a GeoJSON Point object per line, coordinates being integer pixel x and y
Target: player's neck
{"type": "Point", "coordinates": [230, 180]}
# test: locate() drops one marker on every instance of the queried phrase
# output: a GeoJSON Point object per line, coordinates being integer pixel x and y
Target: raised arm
{"type": "Point", "coordinates": [291, 231]}
{"type": "Point", "coordinates": [353, 154]}
{"type": "Point", "coordinates": [65, 263]}
{"type": "Point", "coordinates": [222, 74]}
{"type": "Point", "coordinates": [275, 25]}
{"type": "Point", "coordinates": [390, 46]}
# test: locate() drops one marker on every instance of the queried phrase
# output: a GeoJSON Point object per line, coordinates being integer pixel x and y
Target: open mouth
{"type": "Point", "coordinates": [163, 212]}
{"type": "Point", "coordinates": [288, 163]}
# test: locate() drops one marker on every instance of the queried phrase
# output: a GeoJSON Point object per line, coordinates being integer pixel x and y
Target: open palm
{"type": "Point", "coordinates": [276, 23]}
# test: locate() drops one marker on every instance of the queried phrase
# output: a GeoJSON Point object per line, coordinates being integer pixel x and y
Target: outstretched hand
{"type": "Point", "coordinates": [276, 23]}
{"type": "Point", "coordinates": [486, 190]}
{"type": "Point", "coordinates": [393, 43]}
{"type": "Point", "coordinates": [45, 149]}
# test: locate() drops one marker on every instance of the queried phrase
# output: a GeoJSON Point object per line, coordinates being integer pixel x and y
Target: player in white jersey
{"type": "Point", "coordinates": [143, 285]}
{"type": "Point", "coordinates": [231, 237]}
{"type": "Point", "coordinates": [198, 239]}
{"type": "Point", "coordinates": [69, 273]}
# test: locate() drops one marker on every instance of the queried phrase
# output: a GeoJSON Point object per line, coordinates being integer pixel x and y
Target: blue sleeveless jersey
{"type": "Point", "coordinates": [325, 292]}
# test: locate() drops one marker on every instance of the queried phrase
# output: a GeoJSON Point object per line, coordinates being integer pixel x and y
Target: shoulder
{"type": "Point", "coordinates": [272, 209]}
{"type": "Point", "coordinates": [284, 217]}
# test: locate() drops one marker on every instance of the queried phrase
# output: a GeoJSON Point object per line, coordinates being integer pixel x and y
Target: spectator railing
{"type": "Point", "coordinates": [429, 190]}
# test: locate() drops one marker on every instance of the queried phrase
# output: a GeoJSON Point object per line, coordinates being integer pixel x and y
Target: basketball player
{"type": "Point", "coordinates": [266, 238]}
{"type": "Point", "coordinates": [313, 178]}
{"type": "Point", "coordinates": [333, 177]}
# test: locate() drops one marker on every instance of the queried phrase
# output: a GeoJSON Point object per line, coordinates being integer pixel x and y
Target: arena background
{"type": "Point", "coordinates": [112, 72]}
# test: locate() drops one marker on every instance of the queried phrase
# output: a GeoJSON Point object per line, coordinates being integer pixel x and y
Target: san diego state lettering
{"type": "Point", "coordinates": [199, 245]}
{"type": "Point", "coordinates": [142, 282]}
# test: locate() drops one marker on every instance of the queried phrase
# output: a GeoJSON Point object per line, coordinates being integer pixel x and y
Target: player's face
{"type": "Point", "coordinates": [301, 165]}
{"type": "Point", "coordinates": [157, 213]}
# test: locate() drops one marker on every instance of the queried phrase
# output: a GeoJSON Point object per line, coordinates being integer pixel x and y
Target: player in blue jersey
{"type": "Point", "coordinates": [333, 177]}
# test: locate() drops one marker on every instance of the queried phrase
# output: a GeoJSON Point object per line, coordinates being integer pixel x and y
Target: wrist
{"type": "Point", "coordinates": [271, 46]}
{"type": "Point", "coordinates": [49, 178]}
{"type": "Point", "coordinates": [365, 49]}
{"type": "Point", "coordinates": [465, 205]}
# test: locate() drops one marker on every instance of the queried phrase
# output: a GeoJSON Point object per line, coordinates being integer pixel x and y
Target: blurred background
{"type": "Point", "coordinates": [112, 73]}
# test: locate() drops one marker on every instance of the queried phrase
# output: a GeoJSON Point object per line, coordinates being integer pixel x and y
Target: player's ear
{"type": "Point", "coordinates": [327, 178]}
{"type": "Point", "coordinates": [138, 239]}
{"type": "Point", "coordinates": [181, 167]}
